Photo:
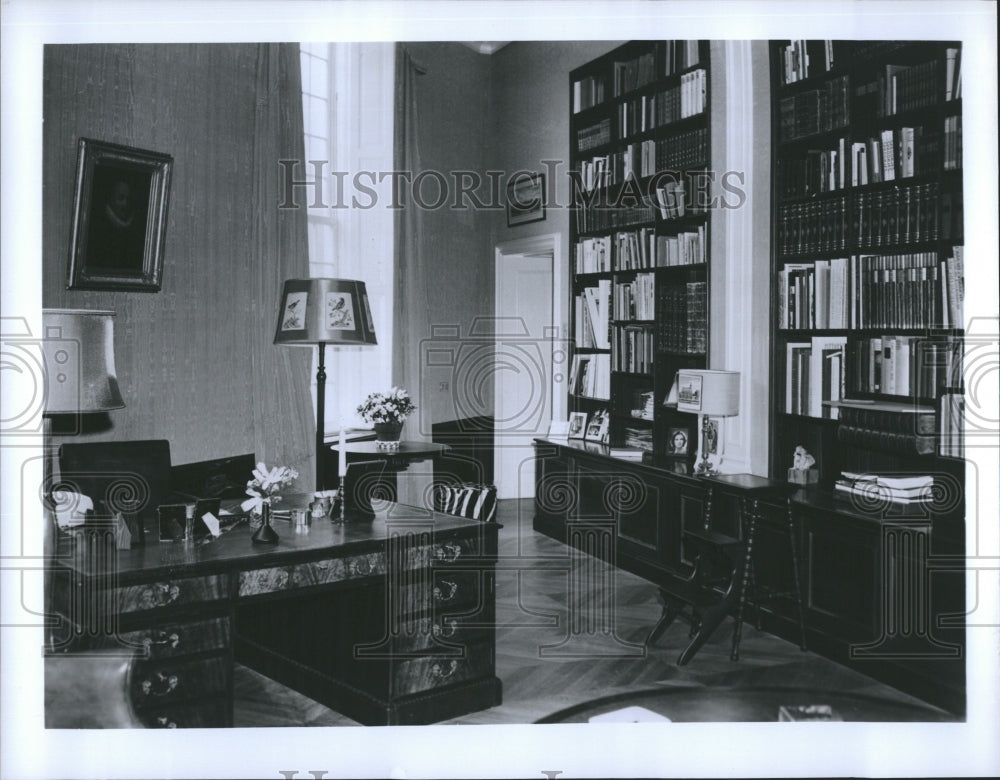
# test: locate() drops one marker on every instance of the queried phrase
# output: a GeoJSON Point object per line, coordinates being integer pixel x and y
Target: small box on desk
{"type": "Point", "coordinates": [803, 476]}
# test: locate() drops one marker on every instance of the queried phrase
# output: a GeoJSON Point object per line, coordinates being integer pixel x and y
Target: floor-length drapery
{"type": "Point", "coordinates": [283, 418]}
{"type": "Point", "coordinates": [410, 300]}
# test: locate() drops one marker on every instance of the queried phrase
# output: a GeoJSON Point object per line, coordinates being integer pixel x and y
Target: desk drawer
{"type": "Point", "coordinates": [154, 684]}
{"type": "Point", "coordinates": [460, 590]}
{"type": "Point", "coordinates": [425, 674]}
{"type": "Point", "coordinates": [171, 640]}
{"type": "Point", "coordinates": [169, 593]}
{"type": "Point", "coordinates": [304, 575]}
{"type": "Point", "coordinates": [210, 713]}
{"type": "Point", "coordinates": [442, 633]}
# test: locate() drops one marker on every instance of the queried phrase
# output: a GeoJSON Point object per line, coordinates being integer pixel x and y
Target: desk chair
{"type": "Point", "coordinates": [132, 477]}
{"type": "Point", "coordinates": [89, 691]}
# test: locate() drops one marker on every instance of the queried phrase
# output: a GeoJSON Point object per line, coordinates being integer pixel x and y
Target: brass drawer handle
{"type": "Point", "coordinates": [447, 552]}
{"type": "Point", "coordinates": [162, 638]}
{"type": "Point", "coordinates": [445, 591]}
{"type": "Point", "coordinates": [447, 630]}
{"type": "Point", "coordinates": [443, 673]}
{"type": "Point", "coordinates": [160, 594]}
{"type": "Point", "coordinates": [161, 686]}
{"type": "Point", "coordinates": [357, 568]}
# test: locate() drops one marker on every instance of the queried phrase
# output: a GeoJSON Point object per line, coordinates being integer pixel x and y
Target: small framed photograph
{"type": "Point", "coordinates": [525, 198]}
{"type": "Point", "coordinates": [558, 429]}
{"type": "Point", "coordinates": [577, 425]}
{"type": "Point", "coordinates": [678, 441]}
{"type": "Point", "coordinates": [119, 218]}
{"type": "Point", "coordinates": [597, 427]}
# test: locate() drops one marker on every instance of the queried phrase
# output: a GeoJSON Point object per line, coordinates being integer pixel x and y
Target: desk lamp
{"type": "Point", "coordinates": [709, 393]}
{"type": "Point", "coordinates": [320, 312]}
{"type": "Point", "coordinates": [79, 354]}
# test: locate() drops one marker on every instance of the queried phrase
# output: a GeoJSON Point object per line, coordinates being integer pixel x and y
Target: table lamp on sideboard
{"type": "Point", "coordinates": [708, 393]}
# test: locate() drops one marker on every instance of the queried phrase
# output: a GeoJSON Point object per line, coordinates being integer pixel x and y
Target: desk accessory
{"type": "Point", "coordinates": [358, 488]}
{"type": "Point", "coordinates": [317, 312]}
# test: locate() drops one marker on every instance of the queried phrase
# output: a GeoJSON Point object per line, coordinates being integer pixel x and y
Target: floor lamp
{"type": "Point", "coordinates": [317, 312]}
{"type": "Point", "coordinates": [709, 393]}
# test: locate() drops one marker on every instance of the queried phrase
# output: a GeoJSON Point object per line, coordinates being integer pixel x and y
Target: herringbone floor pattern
{"type": "Point", "coordinates": [559, 643]}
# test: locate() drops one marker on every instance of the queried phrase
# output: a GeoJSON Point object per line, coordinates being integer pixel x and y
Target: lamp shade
{"type": "Point", "coordinates": [79, 350]}
{"type": "Point", "coordinates": [709, 392]}
{"type": "Point", "coordinates": [324, 311]}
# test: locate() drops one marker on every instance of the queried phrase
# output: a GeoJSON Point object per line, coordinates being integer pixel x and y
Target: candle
{"type": "Point", "coordinates": [342, 451]}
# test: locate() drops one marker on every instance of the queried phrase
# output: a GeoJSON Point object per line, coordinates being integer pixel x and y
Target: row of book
{"type": "Point", "coordinates": [912, 366]}
{"type": "Point", "coordinates": [802, 59]}
{"type": "Point", "coordinates": [587, 93]}
{"type": "Point", "coordinates": [815, 111]}
{"type": "Point", "coordinates": [872, 490]}
{"type": "Point", "coordinates": [592, 255]}
{"type": "Point", "coordinates": [639, 438]}
{"type": "Point", "coordinates": [686, 150]}
{"type": "Point", "coordinates": [814, 376]}
{"type": "Point", "coordinates": [911, 290]}
{"type": "Point", "coordinates": [952, 74]}
{"type": "Point", "coordinates": [951, 436]}
{"type": "Point", "coordinates": [590, 376]}
{"type": "Point", "coordinates": [682, 318]}
{"type": "Point", "coordinates": [900, 429]}
{"type": "Point", "coordinates": [632, 349]}
{"type": "Point", "coordinates": [898, 153]}
{"type": "Point", "coordinates": [952, 143]}
{"type": "Point", "coordinates": [600, 217]}
{"type": "Point", "coordinates": [901, 215]}
{"type": "Point", "coordinates": [592, 315]}
{"type": "Point", "coordinates": [635, 249]}
{"type": "Point", "coordinates": [900, 88]}
{"type": "Point", "coordinates": [594, 135]}
{"type": "Point", "coordinates": [679, 56]}
{"type": "Point", "coordinates": [634, 73]}
{"type": "Point", "coordinates": [635, 299]}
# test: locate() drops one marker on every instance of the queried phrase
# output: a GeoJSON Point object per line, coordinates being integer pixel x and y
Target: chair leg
{"type": "Point", "coordinates": [670, 612]}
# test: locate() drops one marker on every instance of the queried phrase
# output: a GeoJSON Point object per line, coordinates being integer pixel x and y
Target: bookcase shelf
{"type": "Point", "coordinates": [639, 143]}
{"type": "Point", "coordinates": [866, 304]}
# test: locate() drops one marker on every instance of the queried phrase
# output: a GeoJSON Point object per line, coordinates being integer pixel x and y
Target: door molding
{"type": "Point", "coordinates": [545, 244]}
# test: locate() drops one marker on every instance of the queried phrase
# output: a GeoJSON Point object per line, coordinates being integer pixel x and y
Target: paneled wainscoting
{"type": "Point", "coordinates": [570, 629]}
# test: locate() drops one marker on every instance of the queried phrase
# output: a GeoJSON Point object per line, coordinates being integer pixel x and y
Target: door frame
{"type": "Point", "coordinates": [550, 244]}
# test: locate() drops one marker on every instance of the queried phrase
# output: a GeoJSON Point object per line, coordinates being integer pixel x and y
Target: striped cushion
{"type": "Point", "coordinates": [476, 502]}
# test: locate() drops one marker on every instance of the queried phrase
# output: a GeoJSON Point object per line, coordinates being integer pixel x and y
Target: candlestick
{"type": "Point", "coordinates": [342, 450]}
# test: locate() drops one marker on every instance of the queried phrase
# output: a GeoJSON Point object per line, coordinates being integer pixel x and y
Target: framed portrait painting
{"type": "Point", "coordinates": [678, 441]}
{"type": "Point", "coordinates": [119, 217]}
{"type": "Point", "coordinates": [525, 198]}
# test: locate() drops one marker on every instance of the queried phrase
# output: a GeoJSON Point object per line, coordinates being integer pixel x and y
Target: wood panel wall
{"type": "Point", "coordinates": [183, 354]}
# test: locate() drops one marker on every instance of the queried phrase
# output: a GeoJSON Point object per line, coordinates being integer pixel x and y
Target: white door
{"type": "Point", "coordinates": [523, 367]}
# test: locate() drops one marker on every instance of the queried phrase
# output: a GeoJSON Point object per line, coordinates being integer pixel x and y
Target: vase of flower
{"type": "Point", "coordinates": [264, 490]}
{"type": "Point", "coordinates": [387, 412]}
{"type": "Point", "coordinates": [265, 534]}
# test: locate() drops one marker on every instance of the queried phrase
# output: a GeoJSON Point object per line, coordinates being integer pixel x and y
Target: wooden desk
{"type": "Point", "coordinates": [388, 622]}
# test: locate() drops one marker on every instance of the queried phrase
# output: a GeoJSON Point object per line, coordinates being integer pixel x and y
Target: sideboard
{"type": "Point", "coordinates": [388, 622]}
{"type": "Point", "coordinates": [881, 594]}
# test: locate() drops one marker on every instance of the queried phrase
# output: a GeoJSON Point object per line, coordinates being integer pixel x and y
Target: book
{"type": "Point", "coordinates": [872, 491]}
{"type": "Point", "coordinates": [626, 453]}
{"type": "Point", "coordinates": [892, 481]}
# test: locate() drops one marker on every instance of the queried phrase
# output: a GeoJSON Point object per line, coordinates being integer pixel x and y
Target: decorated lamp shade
{"type": "Point", "coordinates": [708, 392]}
{"type": "Point", "coordinates": [324, 311]}
{"type": "Point", "coordinates": [79, 351]}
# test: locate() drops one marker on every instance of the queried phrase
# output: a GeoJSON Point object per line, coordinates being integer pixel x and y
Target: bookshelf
{"type": "Point", "coordinates": [639, 155]}
{"type": "Point", "coordinates": [867, 249]}
{"type": "Point", "coordinates": [867, 341]}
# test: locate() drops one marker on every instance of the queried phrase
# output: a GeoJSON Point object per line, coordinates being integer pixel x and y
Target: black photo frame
{"type": "Point", "coordinates": [119, 217]}
{"type": "Point", "coordinates": [525, 198]}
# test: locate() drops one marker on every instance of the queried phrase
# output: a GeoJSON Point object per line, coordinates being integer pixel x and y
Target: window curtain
{"type": "Point", "coordinates": [410, 299]}
{"type": "Point", "coordinates": [283, 420]}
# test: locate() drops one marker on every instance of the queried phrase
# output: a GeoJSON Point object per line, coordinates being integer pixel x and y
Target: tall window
{"type": "Point", "coordinates": [347, 95]}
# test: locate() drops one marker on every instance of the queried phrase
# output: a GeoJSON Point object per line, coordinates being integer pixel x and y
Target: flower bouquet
{"type": "Point", "coordinates": [386, 412]}
{"type": "Point", "coordinates": [266, 486]}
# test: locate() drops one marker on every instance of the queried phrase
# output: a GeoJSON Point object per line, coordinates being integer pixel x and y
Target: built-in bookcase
{"type": "Point", "coordinates": [640, 142]}
{"type": "Point", "coordinates": [868, 254]}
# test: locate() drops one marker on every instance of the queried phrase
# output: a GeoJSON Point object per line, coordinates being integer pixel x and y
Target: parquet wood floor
{"type": "Point", "coordinates": [546, 665]}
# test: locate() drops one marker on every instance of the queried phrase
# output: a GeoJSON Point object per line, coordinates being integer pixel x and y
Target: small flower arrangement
{"type": "Point", "coordinates": [266, 486]}
{"type": "Point", "coordinates": [392, 407]}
